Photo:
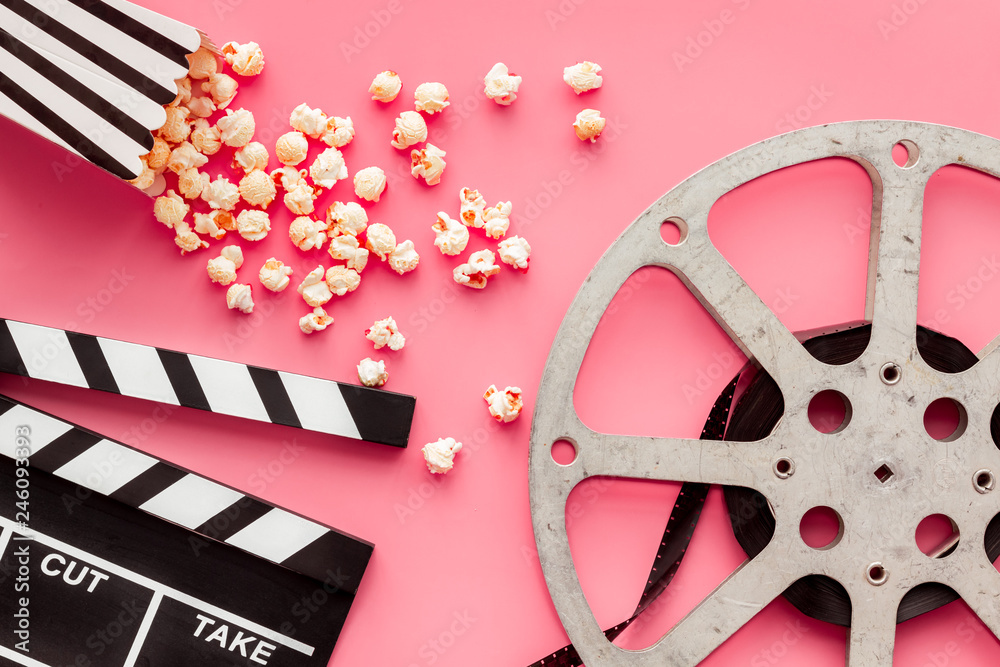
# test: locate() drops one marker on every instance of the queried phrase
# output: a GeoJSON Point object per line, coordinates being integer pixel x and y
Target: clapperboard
{"type": "Point", "coordinates": [126, 560]}
{"type": "Point", "coordinates": [92, 75]}
{"type": "Point", "coordinates": [109, 556]}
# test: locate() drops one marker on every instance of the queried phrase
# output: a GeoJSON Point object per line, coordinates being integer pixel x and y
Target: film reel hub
{"type": "Point", "coordinates": [879, 470]}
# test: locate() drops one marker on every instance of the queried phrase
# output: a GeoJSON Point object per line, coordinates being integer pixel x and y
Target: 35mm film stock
{"type": "Point", "coordinates": [756, 413]}
{"type": "Point", "coordinates": [193, 381]}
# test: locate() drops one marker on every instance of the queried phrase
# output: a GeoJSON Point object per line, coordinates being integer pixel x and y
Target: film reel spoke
{"type": "Point", "coordinates": [728, 608]}
{"type": "Point", "coordinates": [677, 459]}
{"type": "Point", "coordinates": [751, 324]}
{"type": "Point", "coordinates": [865, 468]}
{"type": "Point", "coordinates": [987, 371]}
{"type": "Point", "coordinates": [895, 266]}
{"type": "Point", "coordinates": [872, 636]}
{"type": "Point", "coordinates": [979, 586]}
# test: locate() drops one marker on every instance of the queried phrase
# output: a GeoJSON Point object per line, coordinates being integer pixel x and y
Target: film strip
{"type": "Point", "coordinates": [91, 75]}
{"type": "Point", "coordinates": [889, 472]}
{"type": "Point", "coordinates": [193, 381]}
{"type": "Point", "coordinates": [131, 561]}
{"type": "Point", "coordinates": [755, 415]}
{"type": "Point", "coordinates": [676, 537]}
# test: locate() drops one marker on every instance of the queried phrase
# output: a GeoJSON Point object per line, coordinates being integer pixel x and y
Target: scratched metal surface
{"type": "Point", "coordinates": [876, 558]}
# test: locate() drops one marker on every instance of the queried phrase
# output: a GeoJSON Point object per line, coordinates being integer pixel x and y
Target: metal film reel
{"type": "Point", "coordinates": [887, 388]}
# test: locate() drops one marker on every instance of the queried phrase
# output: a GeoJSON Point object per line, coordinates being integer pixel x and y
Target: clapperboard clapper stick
{"type": "Point", "coordinates": [193, 381]}
{"type": "Point", "coordinates": [92, 75]}
{"type": "Point", "coordinates": [132, 561]}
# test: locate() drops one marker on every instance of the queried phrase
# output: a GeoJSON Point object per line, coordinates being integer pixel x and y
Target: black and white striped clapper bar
{"type": "Point", "coordinates": [189, 380]}
{"type": "Point", "coordinates": [92, 75]}
{"type": "Point", "coordinates": [110, 556]}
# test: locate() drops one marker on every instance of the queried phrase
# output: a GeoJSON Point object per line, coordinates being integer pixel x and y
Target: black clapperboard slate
{"type": "Point", "coordinates": [144, 564]}
{"type": "Point", "coordinates": [204, 383]}
{"type": "Point", "coordinates": [116, 579]}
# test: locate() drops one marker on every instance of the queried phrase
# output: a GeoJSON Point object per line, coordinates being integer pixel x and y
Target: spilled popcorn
{"type": "Point", "coordinates": [505, 406]}
{"type": "Point", "coordinates": [274, 275]}
{"type": "Point", "coordinates": [222, 269]}
{"type": "Point", "coordinates": [385, 86]}
{"type": "Point", "coordinates": [450, 236]}
{"type": "Point", "coordinates": [328, 168]}
{"type": "Point", "coordinates": [253, 225]}
{"type": "Point", "coordinates": [430, 97]}
{"type": "Point", "coordinates": [291, 148]}
{"type": "Point", "coordinates": [472, 207]}
{"type": "Point", "coordinates": [385, 332]}
{"type": "Point", "coordinates": [307, 233]}
{"type": "Point", "coordinates": [369, 183]}
{"type": "Point", "coordinates": [347, 218]}
{"type": "Point", "coordinates": [516, 252]}
{"type": "Point", "coordinates": [477, 270]}
{"type": "Point", "coordinates": [245, 59]}
{"type": "Point", "coordinates": [340, 280]}
{"type": "Point", "coordinates": [204, 118]}
{"type": "Point", "coordinates": [372, 373]}
{"type": "Point", "coordinates": [240, 297]}
{"type": "Point", "coordinates": [317, 320]}
{"type": "Point", "coordinates": [381, 240]}
{"type": "Point", "coordinates": [314, 289]}
{"type": "Point", "coordinates": [427, 163]}
{"type": "Point", "coordinates": [589, 125]}
{"type": "Point", "coordinates": [410, 129]}
{"type": "Point", "coordinates": [501, 85]}
{"type": "Point", "coordinates": [440, 455]}
{"type": "Point", "coordinates": [582, 77]}
{"type": "Point", "coordinates": [496, 219]}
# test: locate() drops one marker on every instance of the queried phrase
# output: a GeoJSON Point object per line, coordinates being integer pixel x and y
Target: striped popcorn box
{"type": "Point", "coordinates": [92, 75]}
{"type": "Point", "coordinates": [206, 574]}
{"type": "Point", "coordinates": [193, 381]}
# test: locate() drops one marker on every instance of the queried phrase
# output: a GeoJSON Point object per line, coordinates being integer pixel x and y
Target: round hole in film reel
{"type": "Point", "coordinates": [882, 483]}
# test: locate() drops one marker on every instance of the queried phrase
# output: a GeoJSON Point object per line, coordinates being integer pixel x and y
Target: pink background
{"type": "Point", "coordinates": [462, 546]}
